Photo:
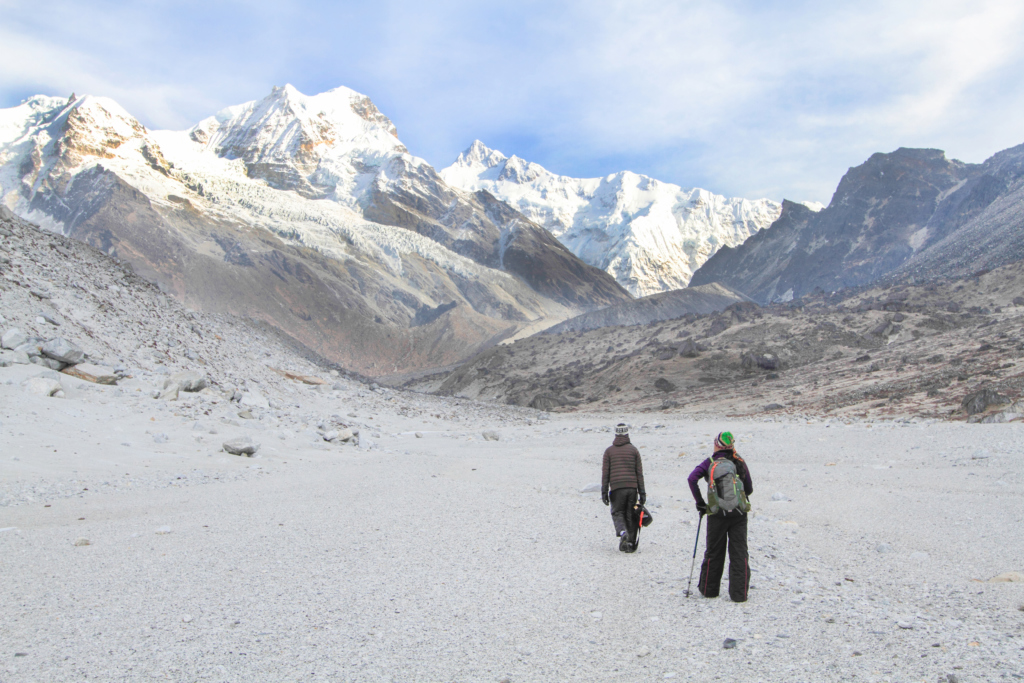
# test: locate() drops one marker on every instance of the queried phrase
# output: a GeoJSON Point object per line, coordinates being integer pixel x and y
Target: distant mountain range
{"type": "Point", "coordinates": [911, 214]}
{"type": "Point", "coordinates": [308, 213]}
{"type": "Point", "coordinates": [650, 235]}
{"type": "Point", "coordinates": [305, 212]}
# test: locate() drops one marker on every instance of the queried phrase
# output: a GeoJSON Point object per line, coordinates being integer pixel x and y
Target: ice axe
{"type": "Point", "coordinates": [694, 561]}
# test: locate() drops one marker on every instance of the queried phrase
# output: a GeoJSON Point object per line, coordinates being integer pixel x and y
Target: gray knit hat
{"type": "Point", "coordinates": [621, 429]}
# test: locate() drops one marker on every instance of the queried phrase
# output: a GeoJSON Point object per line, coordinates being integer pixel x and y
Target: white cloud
{"type": "Point", "coordinates": [749, 98]}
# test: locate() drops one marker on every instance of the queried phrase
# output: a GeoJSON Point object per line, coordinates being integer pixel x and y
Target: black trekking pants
{"type": "Point", "coordinates": [623, 515]}
{"type": "Point", "coordinates": [731, 527]}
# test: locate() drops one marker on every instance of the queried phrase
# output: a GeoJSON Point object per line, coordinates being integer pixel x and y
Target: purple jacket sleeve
{"type": "Point", "coordinates": [699, 472]}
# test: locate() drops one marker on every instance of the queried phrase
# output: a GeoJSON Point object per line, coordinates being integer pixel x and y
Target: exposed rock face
{"type": "Point", "coordinates": [306, 213]}
{"type": "Point", "coordinates": [650, 309]}
{"type": "Point", "coordinates": [938, 216]}
{"type": "Point", "coordinates": [981, 225]}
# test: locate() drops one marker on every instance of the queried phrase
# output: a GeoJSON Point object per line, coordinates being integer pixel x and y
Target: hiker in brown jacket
{"type": "Point", "coordinates": [622, 481]}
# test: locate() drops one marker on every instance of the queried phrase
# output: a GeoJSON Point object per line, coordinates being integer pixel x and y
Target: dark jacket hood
{"type": "Point", "coordinates": [621, 440]}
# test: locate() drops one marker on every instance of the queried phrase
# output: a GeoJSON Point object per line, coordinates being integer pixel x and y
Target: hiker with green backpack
{"type": "Point", "coordinates": [727, 506]}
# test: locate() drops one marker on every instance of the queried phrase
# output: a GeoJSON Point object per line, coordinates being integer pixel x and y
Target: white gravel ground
{"type": "Point", "coordinates": [446, 557]}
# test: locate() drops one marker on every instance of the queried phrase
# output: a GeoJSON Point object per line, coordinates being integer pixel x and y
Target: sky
{"type": "Point", "coordinates": [752, 99]}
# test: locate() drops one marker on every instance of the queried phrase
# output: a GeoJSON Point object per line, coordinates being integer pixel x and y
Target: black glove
{"type": "Point", "coordinates": [604, 498]}
{"type": "Point", "coordinates": [643, 498]}
{"type": "Point", "coordinates": [702, 508]}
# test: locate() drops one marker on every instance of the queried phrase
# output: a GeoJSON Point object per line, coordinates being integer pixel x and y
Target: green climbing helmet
{"type": "Point", "coordinates": [725, 440]}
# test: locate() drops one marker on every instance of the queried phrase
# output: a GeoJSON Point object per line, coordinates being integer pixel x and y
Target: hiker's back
{"type": "Point", "coordinates": [725, 488]}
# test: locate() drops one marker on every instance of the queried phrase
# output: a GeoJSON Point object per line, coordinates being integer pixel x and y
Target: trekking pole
{"type": "Point", "coordinates": [694, 560]}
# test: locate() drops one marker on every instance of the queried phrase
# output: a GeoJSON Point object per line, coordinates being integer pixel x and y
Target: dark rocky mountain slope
{"type": "Point", "coordinates": [947, 350]}
{"type": "Point", "coordinates": [912, 209]}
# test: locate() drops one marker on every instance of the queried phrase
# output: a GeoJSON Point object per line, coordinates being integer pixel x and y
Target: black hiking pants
{"type": "Point", "coordinates": [729, 529]}
{"type": "Point", "coordinates": [623, 515]}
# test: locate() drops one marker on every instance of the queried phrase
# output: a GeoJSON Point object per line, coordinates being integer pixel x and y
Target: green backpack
{"type": "Point", "coordinates": [725, 488]}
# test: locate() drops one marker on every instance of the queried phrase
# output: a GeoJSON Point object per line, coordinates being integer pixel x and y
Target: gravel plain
{"type": "Point", "coordinates": [133, 547]}
{"type": "Point", "coordinates": [445, 556]}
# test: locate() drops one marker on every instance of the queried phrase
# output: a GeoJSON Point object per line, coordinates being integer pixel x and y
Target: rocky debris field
{"type": "Point", "coordinates": [927, 350]}
{"type": "Point", "coordinates": [366, 533]}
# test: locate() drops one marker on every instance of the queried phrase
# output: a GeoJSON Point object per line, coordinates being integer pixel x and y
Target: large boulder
{"type": "Point", "coordinates": [8, 358]}
{"type": "Point", "coordinates": [689, 349]}
{"type": "Point", "coordinates": [44, 386]}
{"type": "Point", "coordinates": [980, 401]}
{"type": "Point", "coordinates": [13, 338]}
{"type": "Point", "coordinates": [187, 380]}
{"type": "Point", "coordinates": [96, 374]}
{"type": "Point", "coordinates": [662, 384]}
{"type": "Point", "coordinates": [47, 362]}
{"type": "Point", "coordinates": [62, 350]}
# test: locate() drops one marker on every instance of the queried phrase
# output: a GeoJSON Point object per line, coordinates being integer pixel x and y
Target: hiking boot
{"type": "Point", "coordinates": [624, 542]}
{"type": "Point", "coordinates": [631, 547]}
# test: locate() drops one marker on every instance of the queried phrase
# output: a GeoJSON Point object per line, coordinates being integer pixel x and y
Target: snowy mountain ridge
{"type": "Point", "coordinates": [650, 235]}
{"type": "Point", "coordinates": [304, 211]}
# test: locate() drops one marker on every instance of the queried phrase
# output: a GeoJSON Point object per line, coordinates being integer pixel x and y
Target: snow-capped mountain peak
{"type": "Point", "coordinates": [302, 142]}
{"type": "Point", "coordinates": [650, 235]}
{"type": "Point", "coordinates": [479, 154]}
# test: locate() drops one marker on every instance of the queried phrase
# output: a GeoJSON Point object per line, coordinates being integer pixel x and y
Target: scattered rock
{"type": "Point", "coordinates": [163, 530]}
{"type": "Point", "coordinates": [254, 399]}
{"type": "Point", "coordinates": [241, 446]}
{"type": "Point", "coordinates": [729, 644]}
{"type": "Point", "coordinates": [491, 435]}
{"type": "Point", "coordinates": [331, 435]}
{"type": "Point", "coordinates": [43, 386]}
{"type": "Point", "coordinates": [245, 415]}
{"type": "Point", "coordinates": [767, 361]}
{"type": "Point", "coordinates": [13, 338]}
{"type": "Point", "coordinates": [780, 497]}
{"type": "Point", "coordinates": [419, 435]}
{"type": "Point", "coordinates": [186, 618]}
{"type": "Point", "coordinates": [883, 548]}
{"type": "Point", "coordinates": [82, 541]}
{"type": "Point", "coordinates": [161, 438]}
{"type": "Point", "coordinates": [96, 374]}
{"type": "Point", "coordinates": [906, 625]}
{"type": "Point", "coordinates": [39, 293]}
{"type": "Point", "coordinates": [773, 406]}
{"type": "Point", "coordinates": [643, 652]}
{"type": "Point", "coordinates": [591, 488]}
{"type": "Point", "coordinates": [1008, 577]}
{"type": "Point", "coordinates": [62, 350]}
{"type": "Point", "coordinates": [169, 393]}
{"type": "Point", "coordinates": [188, 380]}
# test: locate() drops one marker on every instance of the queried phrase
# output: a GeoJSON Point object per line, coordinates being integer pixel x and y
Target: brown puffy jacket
{"type": "Point", "coordinates": [622, 467]}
